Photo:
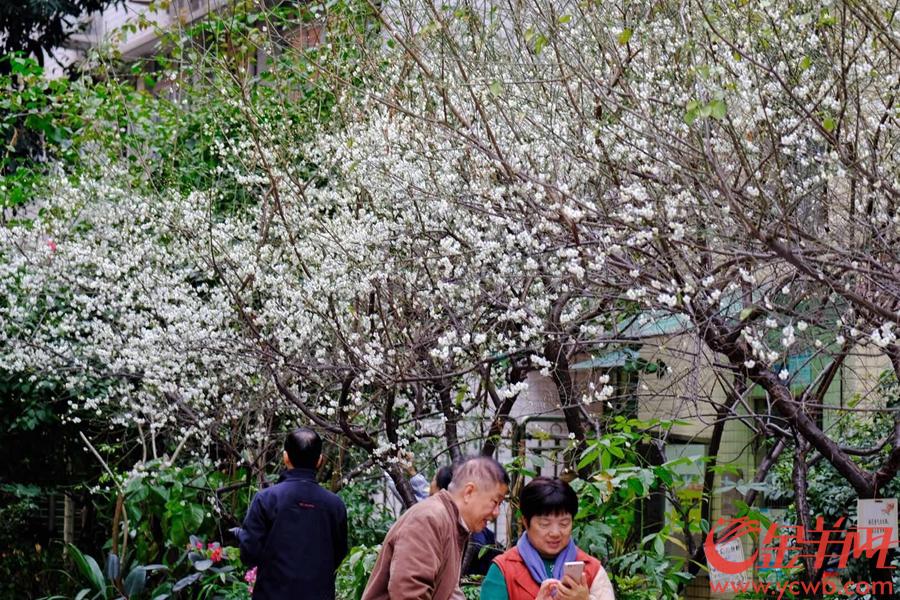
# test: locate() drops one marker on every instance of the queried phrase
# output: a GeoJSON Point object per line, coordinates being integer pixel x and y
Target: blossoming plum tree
{"type": "Point", "coordinates": [503, 188]}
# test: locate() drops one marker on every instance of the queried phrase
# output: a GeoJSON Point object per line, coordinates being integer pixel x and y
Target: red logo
{"type": "Point", "coordinates": [784, 546]}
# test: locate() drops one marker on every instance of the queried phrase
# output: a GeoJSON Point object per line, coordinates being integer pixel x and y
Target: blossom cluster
{"type": "Point", "coordinates": [501, 178]}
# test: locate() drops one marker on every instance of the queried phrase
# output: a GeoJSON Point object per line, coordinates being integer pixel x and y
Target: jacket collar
{"type": "Point", "coordinates": [445, 497]}
{"type": "Point", "coordinates": [579, 555]}
{"type": "Point", "coordinates": [297, 474]}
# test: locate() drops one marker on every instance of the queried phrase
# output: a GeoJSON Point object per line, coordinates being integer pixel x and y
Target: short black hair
{"type": "Point", "coordinates": [303, 447]}
{"type": "Point", "coordinates": [545, 496]}
{"type": "Point", "coordinates": [443, 477]}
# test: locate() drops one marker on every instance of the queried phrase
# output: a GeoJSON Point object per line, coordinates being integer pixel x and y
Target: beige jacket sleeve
{"type": "Point", "coordinates": [601, 588]}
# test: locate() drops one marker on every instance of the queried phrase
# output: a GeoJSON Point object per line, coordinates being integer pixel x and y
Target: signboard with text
{"type": "Point", "coordinates": [731, 551]}
{"type": "Point", "coordinates": [877, 520]}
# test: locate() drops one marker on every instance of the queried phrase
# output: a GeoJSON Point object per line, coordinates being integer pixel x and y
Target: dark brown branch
{"type": "Point", "coordinates": [307, 412]}
{"type": "Point", "coordinates": [800, 479]}
{"type": "Point", "coordinates": [357, 436]}
{"type": "Point", "coordinates": [889, 469]}
{"type": "Point", "coordinates": [763, 468]}
{"type": "Point", "coordinates": [554, 352]}
{"type": "Point", "coordinates": [792, 412]}
{"type": "Point", "coordinates": [735, 393]}
{"type": "Point", "coordinates": [451, 419]}
{"type": "Point", "coordinates": [504, 406]}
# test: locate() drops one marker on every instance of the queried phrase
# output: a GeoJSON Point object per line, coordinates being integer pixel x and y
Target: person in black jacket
{"type": "Point", "coordinates": [295, 532]}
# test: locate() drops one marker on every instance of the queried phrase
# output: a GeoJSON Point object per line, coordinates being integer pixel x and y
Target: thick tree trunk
{"type": "Point", "coordinates": [504, 406]}
{"type": "Point", "coordinates": [554, 352]}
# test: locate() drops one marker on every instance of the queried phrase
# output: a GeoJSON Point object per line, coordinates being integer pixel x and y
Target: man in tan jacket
{"type": "Point", "coordinates": [422, 554]}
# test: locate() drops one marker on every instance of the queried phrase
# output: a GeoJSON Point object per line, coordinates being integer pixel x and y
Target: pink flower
{"type": "Point", "coordinates": [52, 245]}
{"type": "Point", "coordinates": [250, 577]}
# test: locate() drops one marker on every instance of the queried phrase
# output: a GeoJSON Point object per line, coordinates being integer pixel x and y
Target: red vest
{"type": "Point", "coordinates": [520, 585]}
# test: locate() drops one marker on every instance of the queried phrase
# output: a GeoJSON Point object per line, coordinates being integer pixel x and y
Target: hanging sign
{"type": "Point", "coordinates": [731, 551]}
{"type": "Point", "coordinates": [876, 522]}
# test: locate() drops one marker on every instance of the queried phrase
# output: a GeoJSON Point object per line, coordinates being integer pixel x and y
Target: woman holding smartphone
{"type": "Point", "coordinates": [546, 564]}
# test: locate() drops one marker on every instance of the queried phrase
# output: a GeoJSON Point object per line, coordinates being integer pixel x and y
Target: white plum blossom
{"type": "Point", "coordinates": [492, 185]}
{"type": "Point", "coordinates": [884, 335]}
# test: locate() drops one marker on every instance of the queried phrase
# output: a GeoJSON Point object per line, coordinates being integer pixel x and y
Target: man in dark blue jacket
{"type": "Point", "coordinates": [295, 531]}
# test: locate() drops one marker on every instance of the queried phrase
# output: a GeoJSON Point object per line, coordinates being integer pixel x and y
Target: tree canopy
{"type": "Point", "coordinates": [407, 224]}
{"type": "Point", "coordinates": [39, 27]}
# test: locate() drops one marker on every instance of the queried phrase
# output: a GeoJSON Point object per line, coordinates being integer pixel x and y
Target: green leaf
{"type": "Point", "coordinates": [160, 491]}
{"type": "Point", "coordinates": [605, 460]}
{"type": "Point", "coordinates": [636, 486]}
{"type": "Point", "coordinates": [193, 517]}
{"type": "Point", "coordinates": [21, 490]}
{"type": "Point", "coordinates": [829, 124]}
{"type": "Point", "coordinates": [826, 19]}
{"type": "Point", "coordinates": [134, 513]}
{"type": "Point", "coordinates": [718, 109]}
{"type": "Point", "coordinates": [539, 43]}
{"type": "Point", "coordinates": [805, 63]}
{"type": "Point", "coordinates": [565, 19]}
{"type": "Point", "coordinates": [658, 546]}
{"type": "Point", "coordinates": [133, 485]}
{"type": "Point", "coordinates": [589, 456]}
{"type": "Point", "coordinates": [88, 567]}
{"type": "Point", "coordinates": [664, 475]}
{"type": "Point", "coordinates": [496, 88]}
{"type": "Point", "coordinates": [177, 531]}
{"type": "Point", "coordinates": [202, 565]}
{"type": "Point", "coordinates": [135, 582]}
{"type": "Point", "coordinates": [691, 112]}
{"type": "Point", "coordinates": [625, 36]}
{"type": "Point", "coordinates": [162, 592]}
{"type": "Point", "coordinates": [186, 581]}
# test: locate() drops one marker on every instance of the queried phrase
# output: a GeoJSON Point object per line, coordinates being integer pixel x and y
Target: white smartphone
{"type": "Point", "coordinates": [574, 569]}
